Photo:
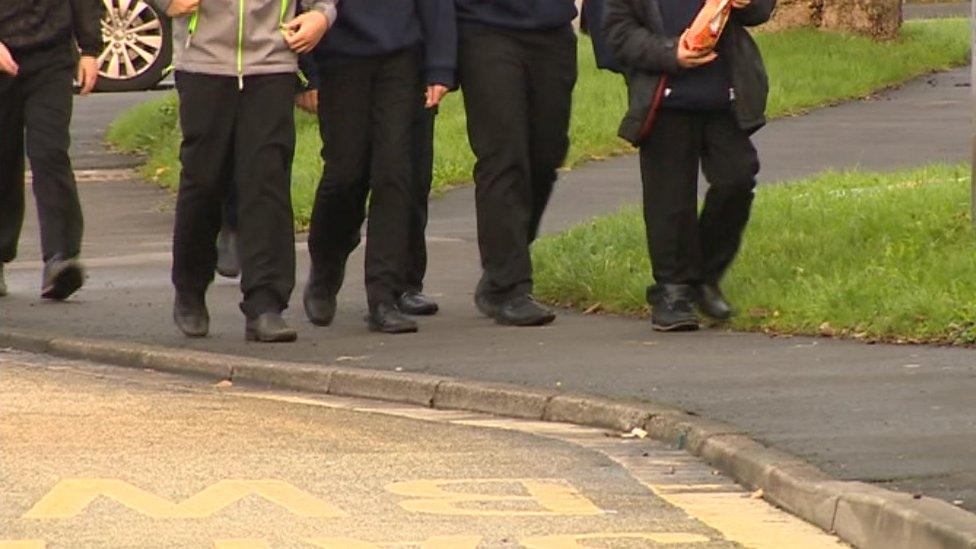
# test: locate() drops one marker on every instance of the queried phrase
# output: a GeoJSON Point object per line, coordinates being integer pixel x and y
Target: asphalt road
{"type": "Point", "coordinates": [900, 416]}
{"type": "Point", "coordinates": [97, 456]}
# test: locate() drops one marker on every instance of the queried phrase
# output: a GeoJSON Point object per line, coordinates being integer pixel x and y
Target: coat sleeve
{"type": "Point", "coordinates": [634, 45]}
{"type": "Point", "coordinates": [439, 23]}
{"type": "Point", "coordinates": [326, 7]}
{"type": "Point", "coordinates": [86, 21]}
{"type": "Point", "coordinates": [756, 13]}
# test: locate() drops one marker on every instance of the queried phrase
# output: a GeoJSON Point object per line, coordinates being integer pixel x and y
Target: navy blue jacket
{"type": "Point", "coordinates": [702, 88]}
{"type": "Point", "coordinates": [372, 27]}
{"type": "Point", "coordinates": [517, 14]}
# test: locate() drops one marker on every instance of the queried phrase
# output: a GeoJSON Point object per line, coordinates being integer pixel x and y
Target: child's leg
{"type": "Point", "coordinates": [551, 79]}
{"type": "Point", "coordinates": [340, 200]}
{"type": "Point", "coordinates": [423, 174]}
{"type": "Point", "coordinates": [730, 163]}
{"type": "Point", "coordinates": [669, 170]}
{"type": "Point", "coordinates": [208, 107]}
{"type": "Point", "coordinates": [396, 94]}
{"type": "Point", "coordinates": [11, 167]}
{"type": "Point", "coordinates": [264, 147]}
{"type": "Point", "coordinates": [495, 84]}
{"type": "Point", "coordinates": [48, 95]}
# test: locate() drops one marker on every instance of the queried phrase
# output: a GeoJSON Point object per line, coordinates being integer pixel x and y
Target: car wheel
{"type": "Point", "coordinates": [138, 46]}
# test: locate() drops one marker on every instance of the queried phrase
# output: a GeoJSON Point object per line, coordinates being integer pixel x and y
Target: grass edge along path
{"type": "Point", "coordinates": [807, 69]}
{"type": "Point", "coordinates": [873, 257]}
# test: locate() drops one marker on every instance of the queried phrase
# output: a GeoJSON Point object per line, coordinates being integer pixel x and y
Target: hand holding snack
{"type": "Point", "coordinates": [706, 29]}
{"type": "Point", "coordinates": [690, 58]}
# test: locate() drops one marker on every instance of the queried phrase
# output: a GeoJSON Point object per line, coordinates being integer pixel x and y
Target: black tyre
{"type": "Point", "coordinates": [138, 46]}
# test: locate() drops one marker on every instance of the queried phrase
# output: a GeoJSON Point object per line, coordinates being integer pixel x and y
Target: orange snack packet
{"type": "Point", "coordinates": [706, 29]}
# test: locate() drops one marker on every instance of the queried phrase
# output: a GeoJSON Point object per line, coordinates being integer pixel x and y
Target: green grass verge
{"type": "Point", "coordinates": [807, 69]}
{"type": "Point", "coordinates": [875, 257]}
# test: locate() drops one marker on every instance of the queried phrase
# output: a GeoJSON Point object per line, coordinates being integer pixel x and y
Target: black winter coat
{"type": "Point", "coordinates": [634, 33]}
{"type": "Point", "coordinates": [29, 24]}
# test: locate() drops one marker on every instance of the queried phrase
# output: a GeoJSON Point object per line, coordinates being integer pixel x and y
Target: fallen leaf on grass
{"type": "Point", "coordinates": [224, 384]}
{"type": "Point", "coordinates": [758, 494]}
{"type": "Point", "coordinates": [636, 433]}
{"type": "Point", "coordinates": [759, 312]}
{"type": "Point", "coordinates": [593, 309]}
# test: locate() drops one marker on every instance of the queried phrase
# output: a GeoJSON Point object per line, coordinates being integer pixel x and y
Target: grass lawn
{"type": "Point", "coordinates": [807, 69]}
{"type": "Point", "coordinates": [874, 257]}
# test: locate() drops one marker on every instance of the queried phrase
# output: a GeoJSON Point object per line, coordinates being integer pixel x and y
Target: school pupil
{"type": "Point", "coordinates": [691, 108]}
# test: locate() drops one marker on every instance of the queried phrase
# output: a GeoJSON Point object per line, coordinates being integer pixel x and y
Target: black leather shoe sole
{"type": "Point", "coordinates": [256, 336]}
{"type": "Point", "coordinates": [190, 327]}
{"type": "Point", "coordinates": [430, 309]}
{"type": "Point", "coordinates": [318, 311]}
{"type": "Point", "coordinates": [680, 326]}
{"type": "Point", "coordinates": [527, 322]}
{"type": "Point", "coordinates": [398, 329]}
{"type": "Point", "coordinates": [227, 271]}
{"type": "Point", "coordinates": [65, 284]}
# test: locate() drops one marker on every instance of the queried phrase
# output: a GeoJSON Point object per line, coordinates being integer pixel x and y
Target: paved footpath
{"type": "Point", "coordinates": [232, 467]}
{"type": "Point", "coordinates": [903, 417]}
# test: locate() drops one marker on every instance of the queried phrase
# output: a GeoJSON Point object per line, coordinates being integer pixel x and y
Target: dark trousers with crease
{"type": "Point", "coordinates": [517, 88]}
{"type": "Point", "coordinates": [687, 247]}
{"type": "Point", "coordinates": [423, 176]}
{"type": "Point", "coordinates": [35, 112]}
{"type": "Point", "coordinates": [251, 131]}
{"type": "Point", "coordinates": [367, 110]}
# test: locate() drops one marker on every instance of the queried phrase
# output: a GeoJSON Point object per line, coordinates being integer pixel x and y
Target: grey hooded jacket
{"type": "Point", "coordinates": [239, 37]}
{"type": "Point", "coordinates": [634, 34]}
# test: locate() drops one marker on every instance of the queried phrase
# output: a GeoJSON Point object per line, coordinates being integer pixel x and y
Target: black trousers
{"type": "Point", "coordinates": [39, 101]}
{"type": "Point", "coordinates": [367, 109]}
{"type": "Point", "coordinates": [423, 177]}
{"type": "Point", "coordinates": [517, 94]}
{"type": "Point", "coordinates": [254, 130]}
{"type": "Point", "coordinates": [685, 247]}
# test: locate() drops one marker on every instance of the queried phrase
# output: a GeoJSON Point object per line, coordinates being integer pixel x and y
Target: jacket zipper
{"type": "Point", "coordinates": [240, 45]}
{"type": "Point", "coordinates": [192, 27]}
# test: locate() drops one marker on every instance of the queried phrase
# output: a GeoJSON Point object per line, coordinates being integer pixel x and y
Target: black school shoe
{"type": "Point", "coordinates": [671, 308]}
{"type": "Point", "coordinates": [320, 308]}
{"type": "Point", "coordinates": [269, 328]}
{"type": "Point", "coordinates": [62, 278]}
{"type": "Point", "coordinates": [417, 304]}
{"type": "Point", "coordinates": [228, 262]}
{"type": "Point", "coordinates": [190, 315]}
{"type": "Point", "coordinates": [387, 319]}
{"type": "Point", "coordinates": [711, 302]}
{"type": "Point", "coordinates": [523, 310]}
